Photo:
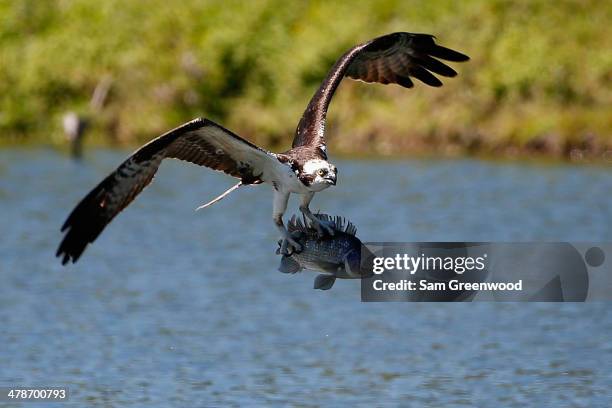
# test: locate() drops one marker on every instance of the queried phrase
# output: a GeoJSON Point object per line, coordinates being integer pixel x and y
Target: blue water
{"type": "Point", "coordinates": [175, 308]}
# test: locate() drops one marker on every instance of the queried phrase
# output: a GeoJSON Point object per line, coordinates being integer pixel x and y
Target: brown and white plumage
{"type": "Point", "coordinates": [390, 59]}
{"type": "Point", "coordinates": [200, 141]}
{"type": "Point", "coordinates": [304, 169]}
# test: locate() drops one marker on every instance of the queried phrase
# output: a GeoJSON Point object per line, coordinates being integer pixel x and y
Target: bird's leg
{"type": "Point", "coordinates": [280, 205]}
{"type": "Point", "coordinates": [323, 227]}
{"type": "Point", "coordinates": [288, 244]}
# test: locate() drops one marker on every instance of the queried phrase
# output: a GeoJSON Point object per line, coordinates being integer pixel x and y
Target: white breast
{"type": "Point", "coordinates": [288, 181]}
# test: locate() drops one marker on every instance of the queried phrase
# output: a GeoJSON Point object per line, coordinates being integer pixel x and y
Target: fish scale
{"type": "Point", "coordinates": [337, 256]}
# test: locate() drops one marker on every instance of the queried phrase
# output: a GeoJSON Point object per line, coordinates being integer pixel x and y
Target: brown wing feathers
{"type": "Point", "coordinates": [103, 203]}
{"type": "Point", "coordinates": [216, 152]}
{"type": "Point", "coordinates": [393, 58]}
{"type": "Point", "coordinates": [200, 141]}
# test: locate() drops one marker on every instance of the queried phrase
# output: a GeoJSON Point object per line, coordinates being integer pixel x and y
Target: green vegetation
{"type": "Point", "coordinates": [540, 78]}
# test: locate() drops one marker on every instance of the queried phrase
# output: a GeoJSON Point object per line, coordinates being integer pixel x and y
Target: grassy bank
{"type": "Point", "coordinates": [539, 81]}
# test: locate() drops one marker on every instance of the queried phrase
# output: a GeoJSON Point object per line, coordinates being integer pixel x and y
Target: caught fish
{"type": "Point", "coordinates": [337, 256]}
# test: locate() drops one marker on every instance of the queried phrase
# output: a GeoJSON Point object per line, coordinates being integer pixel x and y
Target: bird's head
{"type": "Point", "coordinates": [319, 174]}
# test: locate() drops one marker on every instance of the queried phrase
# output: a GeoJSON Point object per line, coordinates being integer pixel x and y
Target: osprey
{"type": "Point", "coordinates": [303, 169]}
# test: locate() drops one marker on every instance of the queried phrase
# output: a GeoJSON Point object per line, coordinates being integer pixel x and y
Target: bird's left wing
{"type": "Point", "coordinates": [391, 59]}
{"type": "Point", "coordinates": [200, 141]}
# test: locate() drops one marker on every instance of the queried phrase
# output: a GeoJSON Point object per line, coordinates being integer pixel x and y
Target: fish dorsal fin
{"type": "Point", "coordinates": [338, 223]}
{"type": "Point", "coordinates": [351, 229]}
{"type": "Point", "coordinates": [324, 282]}
{"type": "Point", "coordinates": [303, 224]}
{"type": "Point", "coordinates": [297, 224]}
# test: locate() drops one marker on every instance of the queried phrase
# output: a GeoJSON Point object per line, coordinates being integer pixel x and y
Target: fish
{"type": "Point", "coordinates": [334, 256]}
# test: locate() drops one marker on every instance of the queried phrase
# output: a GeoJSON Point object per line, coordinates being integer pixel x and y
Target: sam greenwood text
{"type": "Point", "coordinates": [452, 284]}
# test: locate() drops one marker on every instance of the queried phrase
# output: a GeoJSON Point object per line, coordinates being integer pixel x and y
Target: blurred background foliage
{"type": "Point", "coordinates": [539, 79]}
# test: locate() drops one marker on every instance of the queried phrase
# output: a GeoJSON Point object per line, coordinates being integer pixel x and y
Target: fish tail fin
{"type": "Point", "coordinates": [289, 265]}
{"type": "Point", "coordinates": [324, 282]}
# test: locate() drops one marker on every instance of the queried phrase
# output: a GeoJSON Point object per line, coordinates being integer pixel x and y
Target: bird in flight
{"type": "Point", "coordinates": [304, 169]}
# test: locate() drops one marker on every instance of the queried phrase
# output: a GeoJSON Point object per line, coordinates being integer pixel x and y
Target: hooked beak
{"type": "Point", "coordinates": [331, 178]}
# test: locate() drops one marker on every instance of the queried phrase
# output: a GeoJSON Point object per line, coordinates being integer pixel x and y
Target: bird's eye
{"type": "Point", "coordinates": [321, 172]}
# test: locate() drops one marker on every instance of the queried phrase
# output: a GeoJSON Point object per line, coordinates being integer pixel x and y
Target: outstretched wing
{"type": "Point", "coordinates": [200, 141]}
{"type": "Point", "coordinates": [390, 59]}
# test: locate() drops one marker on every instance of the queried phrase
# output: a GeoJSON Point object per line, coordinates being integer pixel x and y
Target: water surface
{"type": "Point", "coordinates": [175, 308]}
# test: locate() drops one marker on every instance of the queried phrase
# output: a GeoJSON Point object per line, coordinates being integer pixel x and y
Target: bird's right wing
{"type": "Point", "coordinates": [391, 59]}
{"type": "Point", "coordinates": [200, 141]}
